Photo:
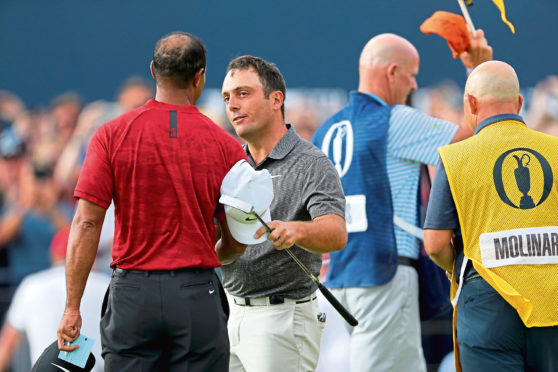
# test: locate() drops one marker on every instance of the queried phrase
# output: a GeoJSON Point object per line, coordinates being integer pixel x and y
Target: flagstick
{"type": "Point", "coordinates": [467, 16]}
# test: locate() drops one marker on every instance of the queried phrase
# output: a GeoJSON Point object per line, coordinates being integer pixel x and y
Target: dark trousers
{"type": "Point", "coordinates": [492, 337]}
{"type": "Point", "coordinates": [165, 321]}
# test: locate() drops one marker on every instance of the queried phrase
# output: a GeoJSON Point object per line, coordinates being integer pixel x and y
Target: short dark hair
{"type": "Point", "coordinates": [269, 74]}
{"type": "Point", "coordinates": [178, 61]}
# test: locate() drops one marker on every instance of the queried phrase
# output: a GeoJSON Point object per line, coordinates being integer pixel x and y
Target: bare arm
{"type": "Point", "coordinates": [20, 198]}
{"type": "Point", "coordinates": [9, 340]}
{"type": "Point", "coordinates": [82, 249]}
{"type": "Point", "coordinates": [437, 244]}
{"type": "Point", "coordinates": [228, 249]}
{"type": "Point", "coordinates": [327, 233]}
{"type": "Point", "coordinates": [478, 52]}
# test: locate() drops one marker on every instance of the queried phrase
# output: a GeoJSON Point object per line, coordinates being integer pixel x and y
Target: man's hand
{"type": "Point", "coordinates": [68, 330]}
{"type": "Point", "coordinates": [326, 233]}
{"type": "Point", "coordinates": [227, 248]}
{"type": "Point", "coordinates": [478, 52]}
{"type": "Point", "coordinates": [283, 234]}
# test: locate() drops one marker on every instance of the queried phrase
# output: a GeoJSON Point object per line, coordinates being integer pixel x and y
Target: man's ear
{"type": "Point", "coordinates": [391, 69]}
{"type": "Point", "coordinates": [277, 98]}
{"type": "Point", "coordinates": [473, 104]}
{"type": "Point", "coordinates": [197, 77]}
{"type": "Point", "coordinates": [151, 69]}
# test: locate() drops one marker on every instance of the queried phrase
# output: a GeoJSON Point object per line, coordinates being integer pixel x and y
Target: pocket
{"type": "Point", "coordinates": [121, 281]}
{"type": "Point", "coordinates": [200, 291]}
{"type": "Point", "coordinates": [119, 285]}
{"type": "Point", "coordinates": [127, 287]}
{"type": "Point", "coordinates": [105, 302]}
{"type": "Point", "coordinates": [478, 290]}
{"type": "Point", "coordinates": [205, 283]}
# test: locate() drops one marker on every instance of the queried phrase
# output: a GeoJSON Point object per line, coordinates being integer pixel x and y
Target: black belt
{"type": "Point", "coordinates": [155, 272]}
{"type": "Point", "coordinates": [406, 261]}
{"type": "Point", "coordinates": [271, 300]}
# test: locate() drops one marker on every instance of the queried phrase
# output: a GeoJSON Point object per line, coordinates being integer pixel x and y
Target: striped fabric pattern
{"type": "Point", "coordinates": [413, 138]}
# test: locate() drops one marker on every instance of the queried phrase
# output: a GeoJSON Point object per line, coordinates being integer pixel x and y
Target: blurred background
{"type": "Point", "coordinates": [68, 66]}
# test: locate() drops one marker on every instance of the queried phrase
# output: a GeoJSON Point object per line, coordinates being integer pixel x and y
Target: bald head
{"type": "Point", "coordinates": [495, 81]}
{"type": "Point", "coordinates": [491, 89]}
{"type": "Point", "coordinates": [177, 57]}
{"type": "Point", "coordinates": [388, 66]}
{"type": "Point", "coordinates": [385, 49]}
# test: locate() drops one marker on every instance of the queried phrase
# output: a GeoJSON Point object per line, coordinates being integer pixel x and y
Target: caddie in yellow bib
{"type": "Point", "coordinates": [503, 199]}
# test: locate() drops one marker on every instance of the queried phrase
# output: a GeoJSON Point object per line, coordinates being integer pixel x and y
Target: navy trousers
{"type": "Point", "coordinates": [492, 337]}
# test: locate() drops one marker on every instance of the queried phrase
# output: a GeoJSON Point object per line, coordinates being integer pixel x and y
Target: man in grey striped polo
{"type": "Point", "coordinates": [273, 324]}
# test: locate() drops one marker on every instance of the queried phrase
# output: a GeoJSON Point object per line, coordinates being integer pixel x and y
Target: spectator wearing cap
{"type": "Point", "coordinates": [38, 302]}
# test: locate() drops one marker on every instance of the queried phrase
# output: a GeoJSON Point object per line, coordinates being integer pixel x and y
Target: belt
{"type": "Point", "coordinates": [407, 261]}
{"type": "Point", "coordinates": [154, 272]}
{"type": "Point", "coordinates": [271, 300]}
{"type": "Point", "coordinates": [472, 276]}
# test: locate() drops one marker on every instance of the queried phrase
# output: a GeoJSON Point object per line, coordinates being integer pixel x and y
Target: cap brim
{"type": "Point", "coordinates": [244, 232]}
{"type": "Point", "coordinates": [50, 362]}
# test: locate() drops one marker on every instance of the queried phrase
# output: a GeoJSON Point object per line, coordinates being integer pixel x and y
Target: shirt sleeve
{"type": "Point", "coordinates": [96, 180]}
{"type": "Point", "coordinates": [415, 136]}
{"type": "Point", "coordinates": [233, 153]}
{"type": "Point", "coordinates": [323, 192]}
{"type": "Point", "coordinates": [441, 213]}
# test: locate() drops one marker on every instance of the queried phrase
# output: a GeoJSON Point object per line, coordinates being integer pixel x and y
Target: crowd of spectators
{"type": "Point", "coordinates": [42, 149]}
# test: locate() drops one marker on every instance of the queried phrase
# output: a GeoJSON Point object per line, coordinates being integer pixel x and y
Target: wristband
{"type": "Point", "coordinates": [71, 314]}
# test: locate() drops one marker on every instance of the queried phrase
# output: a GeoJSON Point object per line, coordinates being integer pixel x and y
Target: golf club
{"type": "Point", "coordinates": [327, 294]}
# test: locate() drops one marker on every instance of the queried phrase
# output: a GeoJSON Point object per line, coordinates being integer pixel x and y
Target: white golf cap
{"type": "Point", "coordinates": [244, 191]}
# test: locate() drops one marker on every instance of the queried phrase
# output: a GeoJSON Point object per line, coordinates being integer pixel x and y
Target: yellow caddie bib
{"type": "Point", "coordinates": [504, 183]}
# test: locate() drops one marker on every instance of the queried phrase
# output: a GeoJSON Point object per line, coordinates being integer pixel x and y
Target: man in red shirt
{"type": "Point", "coordinates": [163, 165]}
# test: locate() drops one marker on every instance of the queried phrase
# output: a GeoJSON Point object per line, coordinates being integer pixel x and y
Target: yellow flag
{"type": "Point", "coordinates": [500, 5]}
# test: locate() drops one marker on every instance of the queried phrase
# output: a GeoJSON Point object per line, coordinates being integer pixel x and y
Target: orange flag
{"type": "Point", "coordinates": [451, 27]}
{"type": "Point", "coordinates": [500, 5]}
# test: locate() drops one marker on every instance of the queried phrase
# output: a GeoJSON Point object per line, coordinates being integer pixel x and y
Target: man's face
{"type": "Point", "coordinates": [248, 110]}
{"type": "Point", "coordinates": [404, 80]}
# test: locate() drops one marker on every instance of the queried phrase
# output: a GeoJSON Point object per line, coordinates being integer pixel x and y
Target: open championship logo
{"type": "Point", "coordinates": [529, 166]}
{"type": "Point", "coordinates": [339, 142]}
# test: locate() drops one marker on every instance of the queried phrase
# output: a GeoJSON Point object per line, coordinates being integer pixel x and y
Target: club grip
{"type": "Point", "coordinates": [337, 305]}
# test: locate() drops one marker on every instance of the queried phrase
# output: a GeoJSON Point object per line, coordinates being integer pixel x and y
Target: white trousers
{"type": "Point", "coordinates": [388, 337]}
{"type": "Point", "coordinates": [274, 338]}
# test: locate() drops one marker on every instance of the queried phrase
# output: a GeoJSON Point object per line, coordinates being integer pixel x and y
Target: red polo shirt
{"type": "Point", "coordinates": [163, 166]}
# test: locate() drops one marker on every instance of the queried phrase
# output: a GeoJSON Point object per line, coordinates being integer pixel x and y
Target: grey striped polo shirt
{"type": "Point", "coordinates": [307, 187]}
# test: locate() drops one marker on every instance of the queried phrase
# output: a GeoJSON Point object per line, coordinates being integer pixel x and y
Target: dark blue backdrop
{"type": "Point", "coordinates": [92, 46]}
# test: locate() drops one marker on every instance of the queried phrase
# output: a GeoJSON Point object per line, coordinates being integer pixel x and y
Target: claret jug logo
{"type": "Point", "coordinates": [523, 178]}
{"type": "Point", "coordinates": [338, 146]}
